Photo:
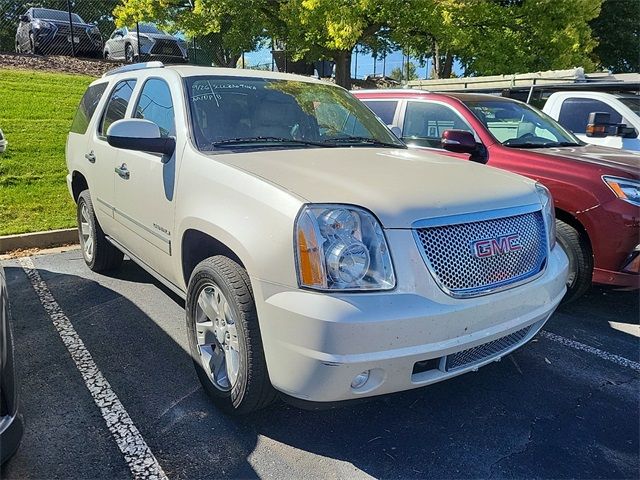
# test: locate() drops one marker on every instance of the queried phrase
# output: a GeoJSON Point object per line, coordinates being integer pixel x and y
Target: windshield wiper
{"type": "Point", "coordinates": [229, 142]}
{"type": "Point", "coordinates": [541, 145]}
{"type": "Point", "coordinates": [367, 140]}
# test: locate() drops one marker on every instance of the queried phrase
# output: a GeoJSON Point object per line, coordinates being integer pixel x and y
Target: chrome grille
{"type": "Point", "coordinates": [166, 47]}
{"type": "Point", "coordinates": [65, 28]}
{"type": "Point", "coordinates": [449, 255]}
{"type": "Point", "coordinates": [468, 357]}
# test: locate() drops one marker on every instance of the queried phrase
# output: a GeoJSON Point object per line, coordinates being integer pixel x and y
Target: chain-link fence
{"type": "Point", "coordinates": [86, 29]}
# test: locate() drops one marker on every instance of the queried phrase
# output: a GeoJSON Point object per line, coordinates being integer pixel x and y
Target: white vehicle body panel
{"type": "Point", "coordinates": [629, 117]}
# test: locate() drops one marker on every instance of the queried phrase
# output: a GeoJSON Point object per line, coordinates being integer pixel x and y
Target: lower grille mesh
{"type": "Point", "coordinates": [477, 354]}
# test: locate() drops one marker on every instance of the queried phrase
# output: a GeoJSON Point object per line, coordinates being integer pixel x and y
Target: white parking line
{"type": "Point", "coordinates": [139, 458]}
{"type": "Point", "coordinates": [610, 357]}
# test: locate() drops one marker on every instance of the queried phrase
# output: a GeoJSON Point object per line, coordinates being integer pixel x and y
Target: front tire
{"type": "Point", "coordinates": [129, 55]}
{"type": "Point", "coordinates": [224, 337]}
{"type": "Point", "coordinates": [98, 253]}
{"type": "Point", "coordinates": [576, 246]}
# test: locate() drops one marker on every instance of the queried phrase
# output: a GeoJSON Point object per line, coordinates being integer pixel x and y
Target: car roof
{"type": "Point", "coordinates": [194, 71]}
{"type": "Point", "coordinates": [390, 93]}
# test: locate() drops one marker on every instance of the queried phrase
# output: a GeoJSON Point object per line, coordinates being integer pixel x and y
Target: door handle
{"type": "Point", "coordinates": [90, 156]}
{"type": "Point", "coordinates": [123, 171]}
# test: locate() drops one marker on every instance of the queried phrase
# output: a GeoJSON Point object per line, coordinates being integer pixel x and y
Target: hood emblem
{"type": "Point", "coordinates": [501, 245]}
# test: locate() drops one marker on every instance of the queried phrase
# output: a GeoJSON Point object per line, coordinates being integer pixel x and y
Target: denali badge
{"type": "Point", "coordinates": [496, 246]}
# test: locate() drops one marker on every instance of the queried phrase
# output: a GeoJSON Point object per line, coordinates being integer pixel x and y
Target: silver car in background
{"type": "Point", "coordinates": [154, 45]}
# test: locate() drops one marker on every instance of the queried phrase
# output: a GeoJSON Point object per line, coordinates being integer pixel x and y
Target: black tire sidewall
{"type": "Point", "coordinates": [85, 199]}
{"type": "Point", "coordinates": [203, 276]}
{"type": "Point", "coordinates": [578, 251]}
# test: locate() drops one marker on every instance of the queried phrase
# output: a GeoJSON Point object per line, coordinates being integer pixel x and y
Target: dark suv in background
{"type": "Point", "coordinates": [52, 32]}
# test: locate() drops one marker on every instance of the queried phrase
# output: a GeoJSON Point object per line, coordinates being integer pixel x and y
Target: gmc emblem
{"type": "Point", "coordinates": [491, 247]}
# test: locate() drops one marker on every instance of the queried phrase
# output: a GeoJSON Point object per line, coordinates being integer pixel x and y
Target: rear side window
{"type": "Point", "coordinates": [386, 109]}
{"type": "Point", "coordinates": [574, 113]}
{"type": "Point", "coordinates": [117, 105]}
{"type": "Point", "coordinates": [87, 108]}
{"type": "Point", "coordinates": [156, 106]}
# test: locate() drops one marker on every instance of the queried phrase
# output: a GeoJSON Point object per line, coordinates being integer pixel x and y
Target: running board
{"type": "Point", "coordinates": [148, 269]}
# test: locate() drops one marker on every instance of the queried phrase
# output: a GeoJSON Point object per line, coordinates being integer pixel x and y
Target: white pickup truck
{"type": "Point", "coordinates": [572, 110]}
{"type": "Point", "coordinates": [318, 256]}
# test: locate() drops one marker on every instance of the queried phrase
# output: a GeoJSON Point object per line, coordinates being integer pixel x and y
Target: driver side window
{"type": "Point", "coordinates": [155, 105]}
{"type": "Point", "coordinates": [424, 123]}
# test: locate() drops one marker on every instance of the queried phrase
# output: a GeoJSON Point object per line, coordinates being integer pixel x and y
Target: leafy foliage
{"type": "Point", "coordinates": [617, 30]}
{"type": "Point", "coordinates": [400, 73]}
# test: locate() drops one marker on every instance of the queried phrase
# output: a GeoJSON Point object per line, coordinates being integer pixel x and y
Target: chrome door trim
{"type": "Point", "coordinates": [174, 288]}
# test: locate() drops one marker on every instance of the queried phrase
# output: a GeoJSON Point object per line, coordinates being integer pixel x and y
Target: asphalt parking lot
{"type": "Point", "coordinates": [565, 405]}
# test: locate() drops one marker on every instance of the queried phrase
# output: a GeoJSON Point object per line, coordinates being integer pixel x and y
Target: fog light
{"type": "Point", "coordinates": [360, 379]}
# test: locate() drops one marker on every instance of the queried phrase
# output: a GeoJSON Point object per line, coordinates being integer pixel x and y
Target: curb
{"type": "Point", "coordinates": [51, 238]}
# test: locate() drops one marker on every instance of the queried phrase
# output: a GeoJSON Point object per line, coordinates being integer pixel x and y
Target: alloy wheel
{"type": "Point", "coordinates": [217, 337]}
{"type": "Point", "coordinates": [86, 233]}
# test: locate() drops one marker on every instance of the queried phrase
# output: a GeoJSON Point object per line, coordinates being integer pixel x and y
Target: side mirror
{"type": "Point", "coordinates": [459, 141]}
{"type": "Point", "coordinates": [24, 18]}
{"type": "Point", "coordinates": [141, 135]}
{"type": "Point", "coordinates": [626, 132]}
{"type": "Point", "coordinates": [396, 130]}
{"type": "Point", "coordinates": [598, 124]}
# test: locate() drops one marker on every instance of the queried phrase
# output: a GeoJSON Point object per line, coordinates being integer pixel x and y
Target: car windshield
{"type": "Point", "coordinates": [57, 15]}
{"type": "Point", "coordinates": [245, 112]}
{"type": "Point", "coordinates": [146, 28]}
{"type": "Point", "coordinates": [632, 102]}
{"type": "Point", "coordinates": [515, 124]}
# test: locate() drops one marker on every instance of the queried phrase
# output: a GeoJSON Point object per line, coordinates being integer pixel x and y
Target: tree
{"type": "Point", "coordinates": [330, 29]}
{"type": "Point", "coordinates": [617, 30]}
{"type": "Point", "coordinates": [225, 28]}
{"type": "Point", "coordinates": [502, 36]}
{"type": "Point", "coordinates": [400, 73]}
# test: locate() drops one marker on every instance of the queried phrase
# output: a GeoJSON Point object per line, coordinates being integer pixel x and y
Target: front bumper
{"type": "Point", "coordinates": [613, 228]}
{"type": "Point", "coordinates": [315, 344]}
{"type": "Point", "coordinates": [59, 43]}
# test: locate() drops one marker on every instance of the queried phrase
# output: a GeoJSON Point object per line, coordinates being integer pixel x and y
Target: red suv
{"type": "Point", "coordinates": [596, 189]}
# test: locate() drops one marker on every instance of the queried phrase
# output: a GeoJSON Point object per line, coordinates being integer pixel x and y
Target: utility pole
{"type": "Point", "coordinates": [72, 37]}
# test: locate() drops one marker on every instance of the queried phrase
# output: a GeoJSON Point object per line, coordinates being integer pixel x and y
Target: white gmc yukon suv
{"type": "Point", "coordinates": [318, 257]}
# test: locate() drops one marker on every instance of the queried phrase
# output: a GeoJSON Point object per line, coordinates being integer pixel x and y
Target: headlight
{"type": "Point", "coordinates": [548, 212]}
{"type": "Point", "coordinates": [93, 30]}
{"type": "Point", "coordinates": [624, 188]}
{"type": "Point", "coordinates": [44, 25]}
{"type": "Point", "coordinates": [341, 247]}
{"type": "Point", "coordinates": [146, 40]}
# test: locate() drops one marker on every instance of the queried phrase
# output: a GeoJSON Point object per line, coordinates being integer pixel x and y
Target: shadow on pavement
{"type": "Point", "coordinates": [542, 412]}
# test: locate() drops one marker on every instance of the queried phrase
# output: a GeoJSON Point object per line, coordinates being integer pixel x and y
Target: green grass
{"type": "Point", "coordinates": [36, 110]}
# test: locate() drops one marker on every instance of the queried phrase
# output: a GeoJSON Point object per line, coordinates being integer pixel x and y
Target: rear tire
{"type": "Point", "coordinates": [224, 337]}
{"type": "Point", "coordinates": [578, 249]}
{"type": "Point", "coordinates": [98, 253]}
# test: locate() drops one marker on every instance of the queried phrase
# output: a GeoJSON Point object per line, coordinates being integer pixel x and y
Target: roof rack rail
{"type": "Point", "coordinates": [133, 67]}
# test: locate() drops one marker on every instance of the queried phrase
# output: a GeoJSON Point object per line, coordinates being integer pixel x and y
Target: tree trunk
{"type": "Point", "coordinates": [448, 66]}
{"type": "Point", "coordinates": [342, 59]}
{"type": "Point", "coordinates": [442, 64]}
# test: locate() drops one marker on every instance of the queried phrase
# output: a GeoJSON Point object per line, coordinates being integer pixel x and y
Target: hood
{"type": "Point", "coordinates": [606, 157]}
{"type": "Point", "coordinates": [398, 186]}
{"type": "Point", "coordinates": [66, 22]}
{"type": "Point", "coordinates": [158, 36]}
